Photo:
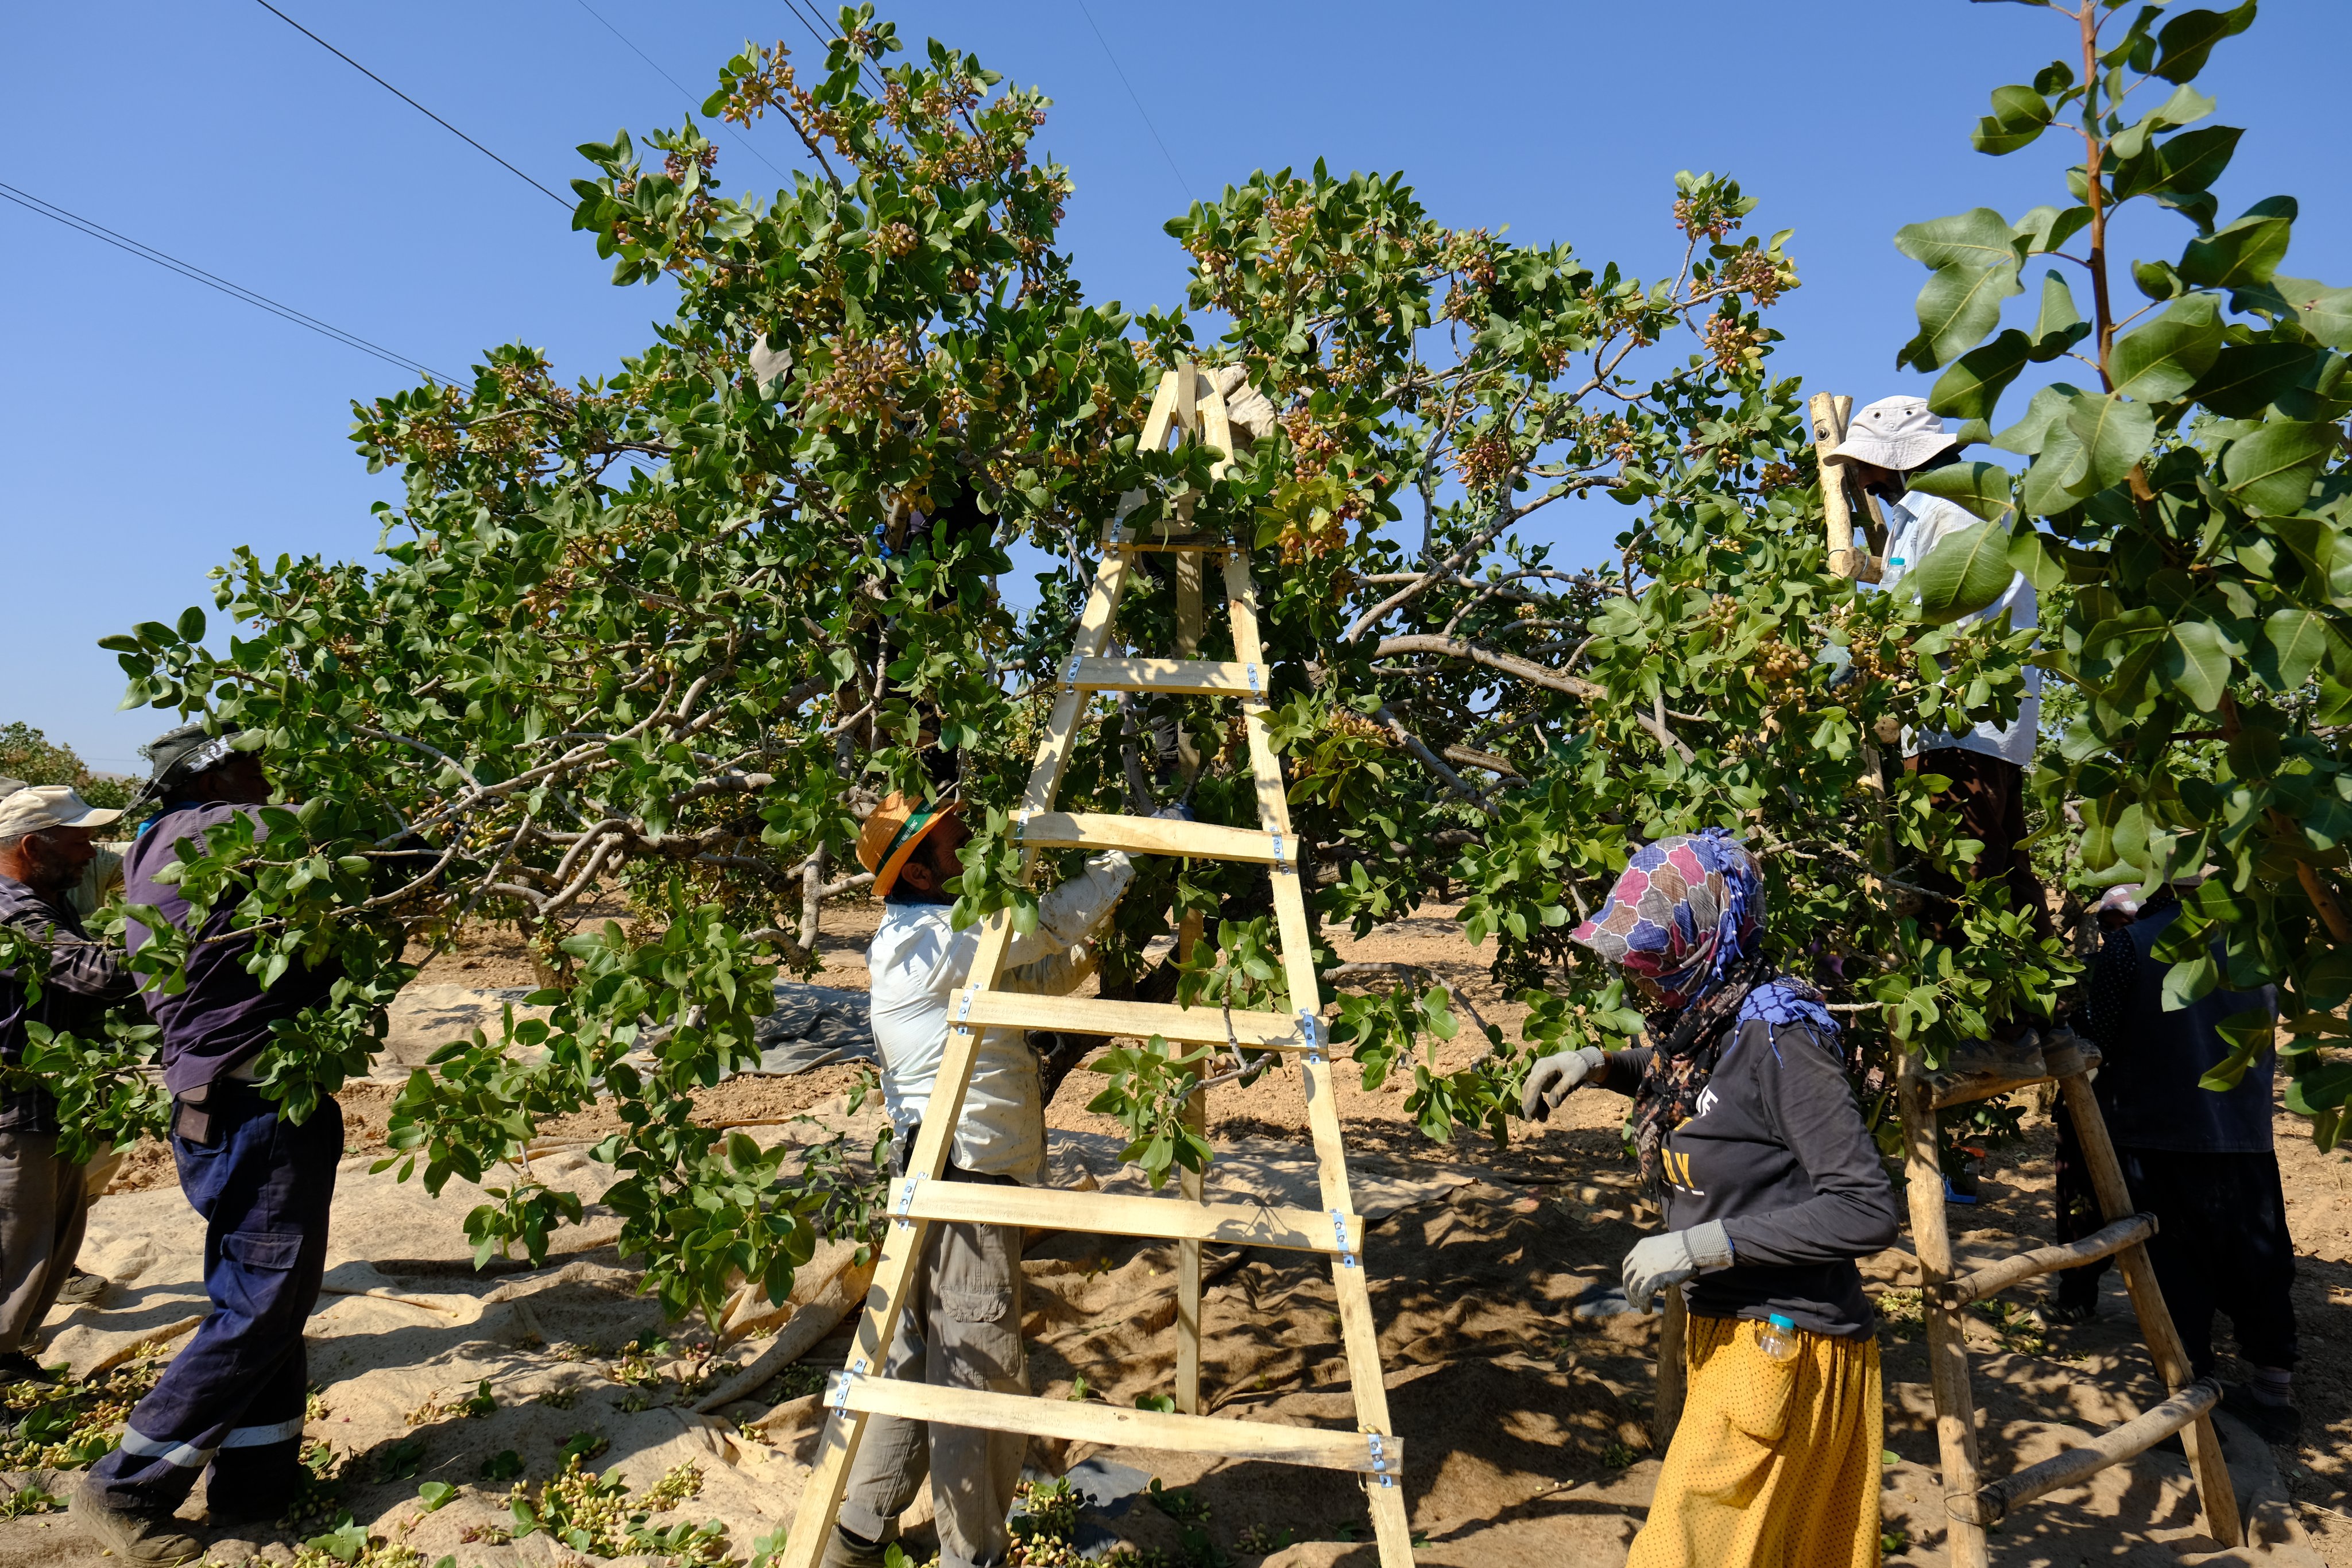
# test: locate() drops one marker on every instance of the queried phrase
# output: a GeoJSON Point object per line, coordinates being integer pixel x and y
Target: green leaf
{"type": "Point", "coordinates": [2247, 378]}
{"type": "Point", "coordinates": [434, 1495]}
{"type": "Point", "coordinates": [2055, 483]}
{"type": "Point", "coordinates": [192, 624]}
{"type": "Point", "coordinates": [1975, 261]}
{"type": "Point", "coordinates": [2297, 640]}
{"type": "Point", "coordinates": [1986, 489]}
{"type": "Point", "coordinates": [1965, 572]}
{"type": "Point", "coordinates": [1973, 384]}
{"type": "Point", "coordinates": [2185, 107]}
{"type": "Point", "coordinates": [2060, 326]}
{"type": "Point", "coordinates": [2047, 408]}
{"type": "Point", "coordinates": [2019, 115]}
{"type": "Point", "coordinates": [2247, 251]}
{"type": "Point", "coordinates": [2197, 660]}
{"type": "Point", "coordinates": [2193, 160]}
{"type": "Point", "coordinates": [2163, 360]}
{"type": "Point", "coordinates": [2323, 1088]}
{"type": "Point", "coordinates": [2188, 39]}
{"type": "Point", "coordinates": [2271, 470]}
{"type": "Point", "coordinates": [2326, 313]}
{"type": "Point", "coordinates": [2034, 553]}
{"type": "Point", "coordinates": [2114, 434]}
{"type": "Point", "coordinates": [2044, 229]}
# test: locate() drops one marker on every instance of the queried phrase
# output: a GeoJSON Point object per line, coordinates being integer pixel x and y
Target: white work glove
{"type": "Point", "coordinates": [1660, 1263]}
{"type": "Point", "coordinates": [1554, 1078]}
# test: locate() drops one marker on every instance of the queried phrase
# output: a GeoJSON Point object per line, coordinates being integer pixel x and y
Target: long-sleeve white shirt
{"type": "Point", "coordinates": [917, 963]}
{"type": "Point", "coordinates": [1916, 525]}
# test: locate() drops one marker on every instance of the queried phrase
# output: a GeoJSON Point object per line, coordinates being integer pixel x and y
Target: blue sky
{"type": "Point", "coordinates": [155, 425]}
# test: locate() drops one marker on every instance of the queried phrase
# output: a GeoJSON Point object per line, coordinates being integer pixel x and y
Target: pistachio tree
{"type": "Point", "coordinates": [2184, 497]}
{"type": "Point", "coordinates": [663, 635]}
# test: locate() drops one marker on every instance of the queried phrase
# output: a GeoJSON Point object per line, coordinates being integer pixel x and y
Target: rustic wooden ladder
{"type": "Point", "coordinates": [1186, 405]}
{"type": "Point", "coordinates": [1971, 1504]}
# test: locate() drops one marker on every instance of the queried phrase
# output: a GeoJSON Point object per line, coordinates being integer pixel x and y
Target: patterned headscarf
{"type": "Point", "coordinates": [1684, 910]}
{"type": "Point", "coordinates": [1686, 914]}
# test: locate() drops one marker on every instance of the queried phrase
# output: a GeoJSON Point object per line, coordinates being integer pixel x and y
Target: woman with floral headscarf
{"type": "Point", "coordinates": [1771, 1189]}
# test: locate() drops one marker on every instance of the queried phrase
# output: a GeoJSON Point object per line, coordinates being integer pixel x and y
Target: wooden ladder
{"type": "Point", "coordinates": [1188, 405]}
{"type": "Point", "coordinates": [1971, 1504]}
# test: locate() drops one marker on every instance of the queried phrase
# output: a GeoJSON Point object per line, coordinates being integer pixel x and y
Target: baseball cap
{"type": "Point", "coordinates": [40, 807]}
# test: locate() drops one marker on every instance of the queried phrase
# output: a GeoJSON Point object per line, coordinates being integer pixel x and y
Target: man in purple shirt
{"type": "Point", "coordinates": [233, 1399]}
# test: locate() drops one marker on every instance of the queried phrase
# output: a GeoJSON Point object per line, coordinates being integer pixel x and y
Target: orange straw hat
{"type": "Point", "coordinates": [888, 838]}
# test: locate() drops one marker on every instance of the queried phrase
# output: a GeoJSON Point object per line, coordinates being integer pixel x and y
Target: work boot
{"type": "Point", "coordinates": [1982, 1068]}
{"type": "Point", "coordinates": [844, 1550]}
{"type": "Point", "coordinates": [141, 1538]}
{"type": "Point", "coordinates": [81, 1288]}
{"type": "Point", "coordinates": [2271, 1423]}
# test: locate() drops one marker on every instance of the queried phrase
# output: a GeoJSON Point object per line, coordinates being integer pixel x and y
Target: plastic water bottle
{"type": "Point", "coordinates": [1778, 1338]}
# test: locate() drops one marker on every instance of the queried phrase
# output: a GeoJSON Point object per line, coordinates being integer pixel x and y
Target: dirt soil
{"type": "Point", "coordinates": [1527, 1424]}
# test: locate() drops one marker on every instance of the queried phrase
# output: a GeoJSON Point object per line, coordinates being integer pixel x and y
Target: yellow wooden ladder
{"type": "Point", "coordinates": [1973, 1505]}
{"type": "Point", "coordinates": [1186, 406]}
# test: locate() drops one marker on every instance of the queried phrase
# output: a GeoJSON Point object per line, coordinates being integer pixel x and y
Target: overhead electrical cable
{"type": "Point", "coordinates": [1146, 113]}
{"type": "Point", "coordinates": [744, 141]}
{"type": "Point", "coordinates": [564, 202]}
{"type": "Point", "coordinates": [96, 231]}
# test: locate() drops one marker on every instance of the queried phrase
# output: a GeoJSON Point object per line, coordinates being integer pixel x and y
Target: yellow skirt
{"type": "Point", "coordinates": [1775, 1464]}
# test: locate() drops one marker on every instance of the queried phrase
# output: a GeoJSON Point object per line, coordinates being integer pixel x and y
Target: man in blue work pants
{"type": "Point", "coordinates": [233, 1399]}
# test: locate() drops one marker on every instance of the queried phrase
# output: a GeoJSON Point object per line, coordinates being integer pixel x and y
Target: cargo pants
{"type": "Point", "coordinates": [962, 1329]}
{"type": "Point", "coordinates": [234, 1398]}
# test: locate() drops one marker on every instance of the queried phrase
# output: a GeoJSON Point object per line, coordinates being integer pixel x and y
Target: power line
{"type": "Point", "coordinates": [1173, 169]}
{"type": "Point", "coordinates": [743, 141]}
{"type": "Point", "coordinates": [194, 273]}
{"type": "Point", "coordinates": [411, 103]}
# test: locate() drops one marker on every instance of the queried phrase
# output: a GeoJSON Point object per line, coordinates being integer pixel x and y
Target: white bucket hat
{"type": "Point", "coordinates": [44, 806]}
{"type": "Point", "coordinates": [1895, 432]}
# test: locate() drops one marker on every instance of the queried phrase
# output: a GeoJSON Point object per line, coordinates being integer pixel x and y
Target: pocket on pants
{"type": "Point", "coordinates": [275, 1251]}
{"type": "Point", "coordinates": [986, 1304]}
{"type": "Point", "coordinates": [1760, 1398]}
{"type": "Point", "coordinates": [979, 1331]}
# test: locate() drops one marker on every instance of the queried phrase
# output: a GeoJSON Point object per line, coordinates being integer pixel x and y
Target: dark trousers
{"type": "Point", "coordinates": [2220, 1246]}
{"type": "Point", "coordinates": [1987, 795]}
{"type": "Point", "coordinates": [234, 1398]}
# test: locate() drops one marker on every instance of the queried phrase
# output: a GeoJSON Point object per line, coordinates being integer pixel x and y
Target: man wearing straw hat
{"type": "Point", "coordinates": [961, 1327]}
{"type": "Point", "coordinates": [1888, 442]}
{"type": "Point", "coordinates": [45, 846]}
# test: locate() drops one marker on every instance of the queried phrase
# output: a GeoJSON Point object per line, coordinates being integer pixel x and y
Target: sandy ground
{"type": "Point", "coordinates": [1527, 1424]}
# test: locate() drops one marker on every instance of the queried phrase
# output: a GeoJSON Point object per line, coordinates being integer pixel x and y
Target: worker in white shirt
{"type": "Point", "coordinates": [1888, 442]}
{"type": "Point", "coordinates": [961, 1327]}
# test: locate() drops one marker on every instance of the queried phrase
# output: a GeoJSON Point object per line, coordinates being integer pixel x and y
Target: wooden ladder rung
{"type": "Point", "coordinates": [1141, 1020]}
{"type": "Point", "coordinates": [1193, 677]}
{"type": "Point", "coordinates": [1111, 1214]}
{"type": "Point", "coordinates": [2110, 1448]}
{"type": "Point", "coordinates": [1994, 1278]}
{"type": "Point", "coordinates": [1084, 1421]}
{"type": "Point", "coordinates": [1151, 836]}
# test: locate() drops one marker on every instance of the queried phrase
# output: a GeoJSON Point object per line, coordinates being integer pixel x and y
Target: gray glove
{"type": "Point", "coordinates": [1179, 812]}
{"type": "Point", "coordinates": [1658, 1262]}
{"type": "Point", "coordinates": [1554, 1078]}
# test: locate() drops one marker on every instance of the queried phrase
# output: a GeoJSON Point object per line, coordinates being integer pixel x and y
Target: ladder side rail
{"type": "Point", "coordinates": [2214, 1491]}
{"type": "Point", "coordinates": [1947, 1355]}
{"type": "Point", "coordinates": [1359, 1331]}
